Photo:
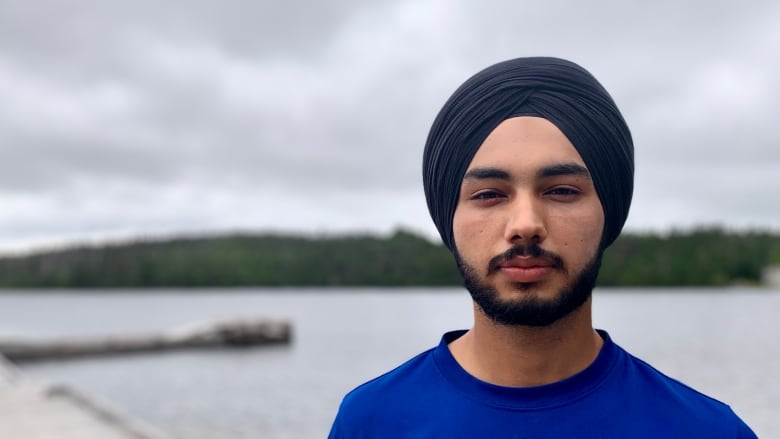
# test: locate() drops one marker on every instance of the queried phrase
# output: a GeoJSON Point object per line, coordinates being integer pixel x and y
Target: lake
{"type": "Point", "coordinates": [722, 342]}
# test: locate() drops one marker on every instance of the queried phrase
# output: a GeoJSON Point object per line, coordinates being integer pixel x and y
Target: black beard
{"type": "Point", "coordinates": [530, 312]}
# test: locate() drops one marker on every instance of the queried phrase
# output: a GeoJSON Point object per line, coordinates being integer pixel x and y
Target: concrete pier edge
{"type": "Point", "coordinates": [35, 409]}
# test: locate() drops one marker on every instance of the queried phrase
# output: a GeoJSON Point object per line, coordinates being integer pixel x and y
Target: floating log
{"type": "Point", "coordinates": [242, 332]}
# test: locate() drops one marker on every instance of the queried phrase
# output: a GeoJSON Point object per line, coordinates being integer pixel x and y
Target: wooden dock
{"type": "Point", "coordinates": [226, 333]}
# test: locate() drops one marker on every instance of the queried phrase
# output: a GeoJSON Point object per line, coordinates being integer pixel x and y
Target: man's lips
{"type": "Point", "coordinates": [526, 270]}
{"type": "Point", "coordinates": [525, 264]}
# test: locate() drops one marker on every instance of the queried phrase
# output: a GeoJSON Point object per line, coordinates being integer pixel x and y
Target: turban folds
{"type": "Point", "coordinates": [558, 90]}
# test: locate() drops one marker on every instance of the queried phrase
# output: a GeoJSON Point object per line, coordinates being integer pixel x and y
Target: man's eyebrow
{"type": "Point", "coordinates": [489, 173]}
{"type": "Point", "coordinates": [486, 174]}
{"type": "Point", "coordinates": [563, 169]}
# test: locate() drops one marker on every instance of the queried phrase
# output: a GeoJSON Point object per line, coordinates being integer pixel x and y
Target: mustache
{"type": "Point", "coordinates": [531, 250]}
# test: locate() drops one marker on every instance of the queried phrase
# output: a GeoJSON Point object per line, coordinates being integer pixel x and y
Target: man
{"type": "Point", "coordinates": [528, 174]}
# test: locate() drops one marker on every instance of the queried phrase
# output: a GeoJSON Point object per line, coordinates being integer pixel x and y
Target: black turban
{"type": "Point", "coordinates": [558, 90]}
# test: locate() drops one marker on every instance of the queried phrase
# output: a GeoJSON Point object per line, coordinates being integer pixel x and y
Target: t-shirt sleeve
{"type": "Point", "coordinates": [336, 430]}
{"type": "Point", "coordinates": [743, 431]}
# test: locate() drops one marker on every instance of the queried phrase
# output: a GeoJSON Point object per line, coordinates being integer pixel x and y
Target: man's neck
{"type": "Point", "coordinates": [522, 356]}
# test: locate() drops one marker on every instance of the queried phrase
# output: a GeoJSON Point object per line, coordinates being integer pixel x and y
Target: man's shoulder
{"type": "Point", "coordinates": [666, 386]}
{"type": "Point", "coordinates": [665, 396]}
{"type": "Point", "coordinates": [400, 380]}
{"type": "Point", "coordinates": [387, 401]}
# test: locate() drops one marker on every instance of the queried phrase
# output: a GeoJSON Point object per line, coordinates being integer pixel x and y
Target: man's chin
{"type": "Point", "coordinates": [526, 292]}
{"type": "Point", "coordinates": [529, 311]}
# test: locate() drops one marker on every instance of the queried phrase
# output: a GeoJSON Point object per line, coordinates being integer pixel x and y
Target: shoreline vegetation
{"type": "Point", "coordinates": [701, 257]}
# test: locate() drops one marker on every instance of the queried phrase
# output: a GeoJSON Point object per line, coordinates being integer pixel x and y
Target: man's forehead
{"type": "Point", "coordinates": [526, 145]}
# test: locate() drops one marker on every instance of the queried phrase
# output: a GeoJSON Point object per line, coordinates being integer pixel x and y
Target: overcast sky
{"type": "Point", "coordinates": [148, 118]}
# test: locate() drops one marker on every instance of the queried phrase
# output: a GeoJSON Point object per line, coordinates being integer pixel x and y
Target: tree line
{"type": "Point", "coordinates": [704, 257]}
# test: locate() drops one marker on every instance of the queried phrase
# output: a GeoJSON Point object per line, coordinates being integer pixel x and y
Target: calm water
{"type": "Point", "coordinates": [722, 342]}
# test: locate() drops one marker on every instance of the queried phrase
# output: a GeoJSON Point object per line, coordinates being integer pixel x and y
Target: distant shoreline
{"type": "Point", "coordinates": [708, 257]}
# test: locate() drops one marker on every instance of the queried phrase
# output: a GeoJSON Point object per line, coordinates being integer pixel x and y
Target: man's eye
{"type": "Point", "coordinates": [486, 195]}
{"type": "Point", "coordinates": [563, 191]}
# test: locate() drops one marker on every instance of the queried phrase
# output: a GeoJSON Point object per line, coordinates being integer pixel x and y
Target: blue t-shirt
{"type": "Point", "coordinates": [617, 396]}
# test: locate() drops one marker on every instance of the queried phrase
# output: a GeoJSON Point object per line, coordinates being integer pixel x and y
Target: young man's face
{"type": "Point", "coordinates": [528, 225]}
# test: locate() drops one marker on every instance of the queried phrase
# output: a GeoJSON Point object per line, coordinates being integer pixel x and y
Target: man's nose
{"type": "Point", "coordinates": [525, 220]}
